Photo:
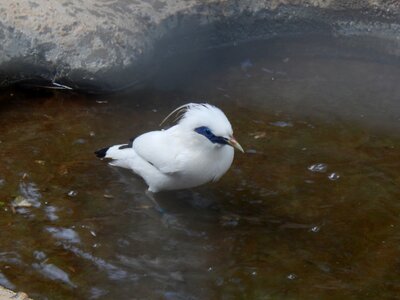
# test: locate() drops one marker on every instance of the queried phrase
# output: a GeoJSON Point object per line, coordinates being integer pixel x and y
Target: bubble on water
{"type": "Point", "coordinates": [315, 229]}
{"type": "Point", "coordinates": [40, 162]}
{"type": "Point", "coordinates": [72, 193]}
{"type": "Point", "coordinates": [318, 168]}
{"type": "Point", "coordinates": [39, 255]}
{"type": "Point", "coordinates": [333, 176]}
{"type": "Point", "coordinates": [92, 133]}
{"type": "Point", "coordinates": [292, 276]}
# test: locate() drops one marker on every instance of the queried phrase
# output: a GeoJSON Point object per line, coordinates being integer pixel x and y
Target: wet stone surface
{"type": "Point", "coordinates": [270, 228]}
{"type": "Point", "coordinates": [110, 45]}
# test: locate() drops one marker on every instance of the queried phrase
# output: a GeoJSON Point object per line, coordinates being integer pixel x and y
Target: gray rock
{"type": "Point", "coordinates": [6, 294]}
{"type": "Point", "coordinates": [106, 45]}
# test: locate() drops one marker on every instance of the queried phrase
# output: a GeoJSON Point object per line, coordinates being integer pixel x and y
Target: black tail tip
{"type": "Point", "coordinates": [101, 153]}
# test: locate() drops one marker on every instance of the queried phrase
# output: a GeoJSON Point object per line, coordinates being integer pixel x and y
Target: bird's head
{"type": "Point", "coordinates": [208, 121]}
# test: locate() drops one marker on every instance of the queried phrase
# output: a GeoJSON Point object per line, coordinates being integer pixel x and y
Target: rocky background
{"type": "Point", "coordinates": [110, 45]}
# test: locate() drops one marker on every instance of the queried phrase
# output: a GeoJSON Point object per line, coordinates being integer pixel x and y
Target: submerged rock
{"type": "Point", "coordinates": [110, 45]}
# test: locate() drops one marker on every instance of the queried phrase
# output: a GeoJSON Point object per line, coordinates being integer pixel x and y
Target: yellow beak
{"type": "Point", "coordinates": [233, 142]}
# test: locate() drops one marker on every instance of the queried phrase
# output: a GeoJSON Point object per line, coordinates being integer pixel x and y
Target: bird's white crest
{"type": "Point", "coordinates": [179, 111]}
{"type": "Point", "coordinates": [193, 115]}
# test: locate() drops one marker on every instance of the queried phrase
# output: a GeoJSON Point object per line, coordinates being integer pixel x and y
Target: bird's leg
{"type": "Point", "coordinates": [150, 196]}
{"type": "Point", "coordinates": [167, 219]}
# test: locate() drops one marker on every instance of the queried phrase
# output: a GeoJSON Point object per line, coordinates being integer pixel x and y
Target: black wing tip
{"type": "Point", "coordinates": [129, 145]}
{"type": "Point", "coordinates": [101, 153]}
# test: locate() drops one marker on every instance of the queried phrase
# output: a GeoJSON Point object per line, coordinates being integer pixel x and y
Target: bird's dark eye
{"type": "Point", "coordinates": [207, 131]}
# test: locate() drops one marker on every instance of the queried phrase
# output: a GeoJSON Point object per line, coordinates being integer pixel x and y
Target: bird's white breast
{"type": "Point", "coordinates": [209, 161]}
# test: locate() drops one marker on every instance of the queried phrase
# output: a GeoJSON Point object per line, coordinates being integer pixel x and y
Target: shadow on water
{"type": "Point", "coordinates": [309, 212]}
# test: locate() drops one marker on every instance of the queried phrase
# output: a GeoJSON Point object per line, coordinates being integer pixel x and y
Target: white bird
{"type": "Point", "coordinates": [193, 152]}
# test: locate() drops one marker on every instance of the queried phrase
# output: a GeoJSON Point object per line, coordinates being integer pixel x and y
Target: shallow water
{"type": "Point", "coordinates": [311, 211]}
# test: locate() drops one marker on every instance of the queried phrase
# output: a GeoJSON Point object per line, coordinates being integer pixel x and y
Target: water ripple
{"type": "Point", "coordinates": [114, 272]}
{"type": "Point", "coordinates": [30, 192]}
{"type": "Point", "coordinates": [53, 272]}
{"type": "Point", "coordinates": [65, 234]}
{"type": "Point", "coordinates": [5, 282]}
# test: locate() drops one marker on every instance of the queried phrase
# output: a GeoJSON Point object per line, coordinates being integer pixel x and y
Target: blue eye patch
{"type": "Point", "coordinates": [204, 130]}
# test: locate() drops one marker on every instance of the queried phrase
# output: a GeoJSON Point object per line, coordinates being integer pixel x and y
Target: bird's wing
{"type": "Point", "coordinates": [162, 150]}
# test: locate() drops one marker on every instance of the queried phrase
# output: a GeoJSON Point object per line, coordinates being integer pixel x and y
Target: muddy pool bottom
{"type": "Point", "coordinates": [310, 211]}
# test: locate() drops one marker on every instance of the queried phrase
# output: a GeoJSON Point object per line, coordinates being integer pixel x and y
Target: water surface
{"type": "Point", "coordinates": [311, 211]}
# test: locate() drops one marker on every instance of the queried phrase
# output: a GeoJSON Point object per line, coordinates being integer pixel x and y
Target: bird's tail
{"type": "Point", "coordinates": [101, 153]}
